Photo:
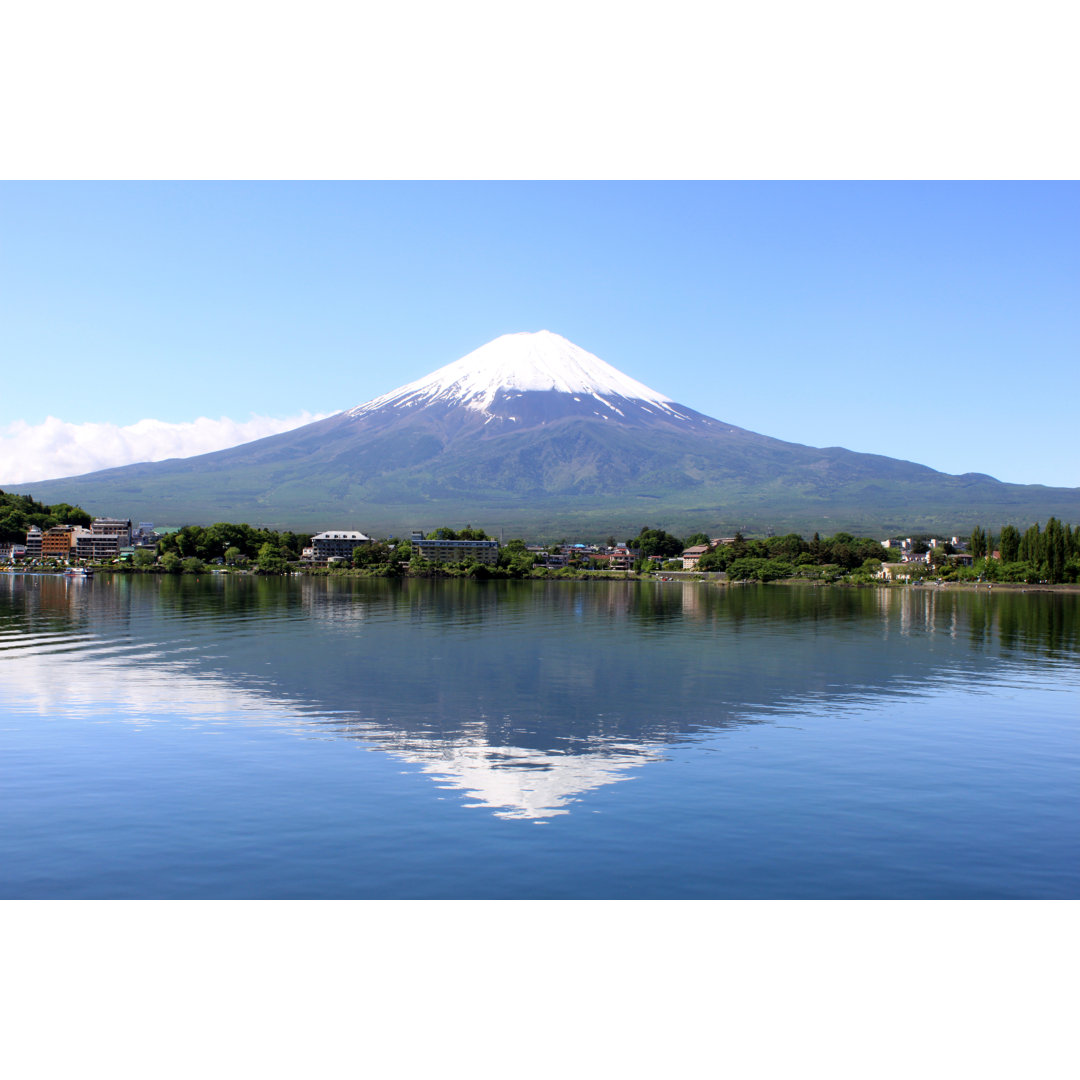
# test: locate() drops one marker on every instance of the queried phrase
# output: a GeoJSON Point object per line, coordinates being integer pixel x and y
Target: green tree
{"type": "Point", "coordinates": [656, 542]}
{"type": "Point", "coordinates": [171, 563]}
{"type": "Point", "coordinates": [220, 538]}
{"type": "Point", "coordinates": [66, 514]}
{"type": "Point", "coordinates": [1030, 549]}
{"type": "Point", "coordinates": [788, 547]}
{"type": "Point", "coordinates": [977, 543]}
{"type": "Point", "coordinates": [13, 524]}
{"type": "Point", "coordinates": [377, 553]}
{"type": "Point", "coordinates": [1055, 551]}
{"type": "Point", "coordinates": [271, 559]}
{"type": "Point", "coordinates": [520, 564]}
{"type": "Point", "coordinates": [190, 541]}
{"type": "Point", "coordinates": [755, 569]}
{"type": "Point", "coordinates": [718, 559]}
{"type": "Point", "coordinates": [515, 556]}
{"type": "Point", "coordinates": [192, 565]}
{"type": "Point", "coordinates": [1009, 544]}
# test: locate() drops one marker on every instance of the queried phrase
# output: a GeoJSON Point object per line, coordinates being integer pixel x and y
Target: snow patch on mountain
{"type": "Point", "coordinates": [540, 361]}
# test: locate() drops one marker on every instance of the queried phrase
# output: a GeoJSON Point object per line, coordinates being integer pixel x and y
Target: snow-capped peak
{"type": "Point", "coordinates": [520, 362]}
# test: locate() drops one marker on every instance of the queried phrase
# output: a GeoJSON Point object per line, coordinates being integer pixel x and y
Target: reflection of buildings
{"type": "Point", "coordinates": [48, 601]}
{"type": "Point", "coordinates": [918, 609]}
{"type": "Point", "coordinates": [691, 599]}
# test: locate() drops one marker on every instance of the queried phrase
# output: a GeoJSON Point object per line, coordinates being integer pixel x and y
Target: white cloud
{"type": "Point", "coordinates": [56, 448]}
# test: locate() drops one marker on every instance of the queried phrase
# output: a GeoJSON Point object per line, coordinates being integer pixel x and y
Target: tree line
{"type": "Point", "coordinates": [267, 551]}
{"type": "Point", "coordinates": [792, 556]}
{"type": "Point", "coordinates": [1036, 554]}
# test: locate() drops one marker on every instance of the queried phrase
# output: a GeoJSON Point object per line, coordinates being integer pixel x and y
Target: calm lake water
{"type": "Point", "coordinates": [238, 737]}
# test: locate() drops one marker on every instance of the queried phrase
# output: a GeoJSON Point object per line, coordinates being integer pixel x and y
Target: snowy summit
{"type": "Point", "coordinates": [520, 363]}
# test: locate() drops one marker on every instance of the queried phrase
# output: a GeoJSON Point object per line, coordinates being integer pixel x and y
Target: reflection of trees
{"type": "Point", "coordinates": [1044, 623]}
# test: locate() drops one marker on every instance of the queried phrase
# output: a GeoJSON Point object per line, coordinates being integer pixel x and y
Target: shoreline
{"type": "Point", "coordinates": [602, 575]}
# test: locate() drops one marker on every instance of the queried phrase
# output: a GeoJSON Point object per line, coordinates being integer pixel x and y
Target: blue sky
{"type": "Point", "coordinates": [931, 321]}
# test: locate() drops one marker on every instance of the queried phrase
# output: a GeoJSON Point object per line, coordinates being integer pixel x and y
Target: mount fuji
{"type": "Point", "coordinates": [533, 434]}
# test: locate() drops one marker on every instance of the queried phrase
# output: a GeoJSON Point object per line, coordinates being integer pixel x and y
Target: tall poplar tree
{"type": "Point", "coordinates": [1054, 544]}
{"type": "Point", "coordinates": [1009, 544]}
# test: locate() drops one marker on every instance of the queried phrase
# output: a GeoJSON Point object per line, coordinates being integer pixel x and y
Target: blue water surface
{"type": "Point", "coordinates": [235, 737]}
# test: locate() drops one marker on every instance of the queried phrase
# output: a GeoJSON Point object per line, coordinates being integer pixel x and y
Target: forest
{"type": "Point", "coordinates": [19, 513]}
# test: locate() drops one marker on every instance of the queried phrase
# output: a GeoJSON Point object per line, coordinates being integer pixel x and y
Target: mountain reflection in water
{"type": "Point", "coordinates": [524, 695]}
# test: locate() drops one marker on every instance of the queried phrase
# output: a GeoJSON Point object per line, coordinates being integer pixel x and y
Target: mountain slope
{"type": "Point", "coordinates": [532, 433]}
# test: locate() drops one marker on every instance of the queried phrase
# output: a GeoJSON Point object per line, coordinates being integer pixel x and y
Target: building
{"type": "Point", "coordinates": [143, 536]}
{"type": "Point", "coordinates": [97, 546]}
{"type": "Point", "coordinates": [448, 551]}
{"type": "Point", "coordinates": [116, 527]}
{"type": "Point", "coordinates": [57, 542]}
{"type": "Point", "coordinates": [338, 544]}
{"type": "Point", "coordinates": [894, 571]}
{"type": "Point", "coordinates": [909, 555]}
{"type": "Point", "coordinates": [33, 542]}
{"type": "Point", "coordinates": [691, 555]}
{"type": "Point", "coordinates": [619, 558]}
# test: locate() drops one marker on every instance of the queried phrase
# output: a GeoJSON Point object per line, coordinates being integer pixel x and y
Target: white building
{"type": "Point", "coordinates": [33, 542]}
{"type": "Point", "coordinates": [118, 528]}
{"type": "Point", "coordinates": [338, 544]}
{"type": "Point", "coordinates": [97, 545]}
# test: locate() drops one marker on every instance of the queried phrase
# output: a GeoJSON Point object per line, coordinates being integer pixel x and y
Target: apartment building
{"type": "Point", "coordinates": [448, 551]}
{"type": "Point", "coordinates": [97, 546]}
{"type": "Point", "coordinates": [114, 527]}
{"type": "Point", "coordinates": [57, 542]}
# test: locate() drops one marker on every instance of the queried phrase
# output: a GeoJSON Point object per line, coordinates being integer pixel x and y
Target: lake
{"type": "Point", "coordinates": [237, 737]}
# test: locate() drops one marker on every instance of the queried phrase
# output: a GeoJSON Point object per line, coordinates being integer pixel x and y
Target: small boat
{"type": "Point", "coordinates": [78, 571]}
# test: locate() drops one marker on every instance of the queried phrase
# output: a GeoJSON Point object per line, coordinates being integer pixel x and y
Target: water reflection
{"type": "Point", "coordinates": [524, 695]}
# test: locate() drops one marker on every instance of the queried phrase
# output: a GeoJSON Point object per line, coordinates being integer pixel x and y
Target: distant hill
{"type": "Point", "coordinates": [533, 435]}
